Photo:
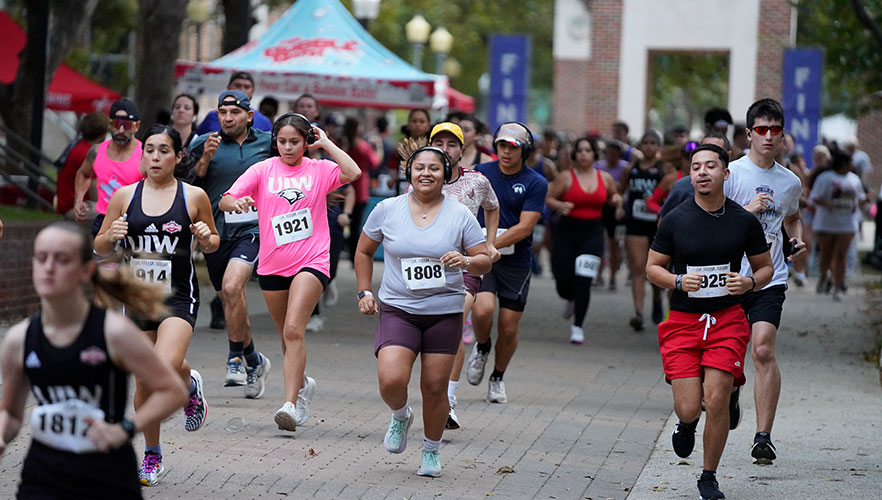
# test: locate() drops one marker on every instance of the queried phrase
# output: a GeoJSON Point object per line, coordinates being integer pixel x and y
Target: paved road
{"type": "Point", "coordinates": [582, 421]}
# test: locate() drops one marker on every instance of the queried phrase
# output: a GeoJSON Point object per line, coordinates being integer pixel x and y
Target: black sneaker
{"type": "Point", "coordinates": [683, 438]}
{"type": "Point", "coordinates": [734, 410]}
{"type": "Point", "coordinates": [763, 450]}
{"type": "Point", "coordinates": [217, 314]}
{"type": "Point", "coordinates": [658, 312]}
{"type": "Point", "coordinates": [636, 322]}
{"type": "Point", "coordinates": [709, 489]}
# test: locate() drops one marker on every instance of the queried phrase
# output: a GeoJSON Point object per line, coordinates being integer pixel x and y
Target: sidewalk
{"type": "Point", "coordinates": [582, 421]}
{"type": "Point", "coordinates": [827, 428]}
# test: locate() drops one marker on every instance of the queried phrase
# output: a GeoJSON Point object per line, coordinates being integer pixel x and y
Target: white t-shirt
{"type": "Point", "coordinates": [841, 194]}
{"type": "Point", "coordinates": [746, 180]}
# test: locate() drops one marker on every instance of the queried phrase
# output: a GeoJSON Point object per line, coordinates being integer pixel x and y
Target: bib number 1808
{"type": "Point", "coordinates": [422, 273]}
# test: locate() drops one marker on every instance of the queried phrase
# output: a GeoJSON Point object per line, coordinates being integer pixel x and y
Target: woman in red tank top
{"type": "Point", "coordinates": [579, 197]}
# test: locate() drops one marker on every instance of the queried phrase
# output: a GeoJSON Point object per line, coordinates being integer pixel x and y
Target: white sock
{"type": "Point", "coordinates": [451, 389]}
{"type": "Point", "coordinates": [430, 445]}
{"type": "Point", "coordinates": [401, 413]}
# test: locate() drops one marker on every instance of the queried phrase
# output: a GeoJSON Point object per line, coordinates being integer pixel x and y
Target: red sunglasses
{"type": "Point", "coordinates": [126, 124]}
{"type": "Point", "coordinates": [763, 130]}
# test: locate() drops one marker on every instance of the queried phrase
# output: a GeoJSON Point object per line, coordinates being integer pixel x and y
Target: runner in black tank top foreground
{"type": "Point", "coordinates": [156, 222]}
{"type": "Point", "coordinates": [705, 338]}
{"type": "Point", "coordinates": [75, 357]}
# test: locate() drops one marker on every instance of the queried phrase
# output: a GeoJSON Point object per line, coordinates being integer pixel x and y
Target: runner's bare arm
{"type": "Point", "coordinates": [556, 189]}
{"type": "Point", "coordinates": [15, 384]}
{"type": "Point", "coordinates": [364, 271]}
{"type": "Point", "coordinates": [203, 226]}
{"type": "Point", "coordinates": [658, 274]}
{"type": "Point", "coordinates": [519, 231]}
{"type": "Point", "coordinates": [83, 180]}
{"type": "Point", "coordinates": [349, 170]}
{"type": "Point", "coordinates": [113, 228]}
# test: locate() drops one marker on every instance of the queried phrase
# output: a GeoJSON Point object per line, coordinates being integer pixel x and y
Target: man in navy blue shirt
{"type": "Point", "coordinates": [521, 192]}
{"type": "Point", "coordinates": [239, 81]}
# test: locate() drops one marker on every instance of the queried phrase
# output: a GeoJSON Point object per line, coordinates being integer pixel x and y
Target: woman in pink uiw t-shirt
{"type": "Point", "coordinates": [290, 193]}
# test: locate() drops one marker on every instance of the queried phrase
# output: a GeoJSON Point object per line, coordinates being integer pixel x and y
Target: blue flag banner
{"type": "Point", "coordinates": [801, 94]}
{"type": "Point", "coordinates": [509, 79]}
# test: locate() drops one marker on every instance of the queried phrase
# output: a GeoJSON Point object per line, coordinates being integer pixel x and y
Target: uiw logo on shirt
{"type": "Point", "coordinates": [277, 184]}
{"type": "Point", "coordinates": [153, 243]}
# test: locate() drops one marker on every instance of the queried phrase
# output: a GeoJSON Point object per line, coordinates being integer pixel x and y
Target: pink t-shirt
{"type": "Point", "coordinates": [292, 213]}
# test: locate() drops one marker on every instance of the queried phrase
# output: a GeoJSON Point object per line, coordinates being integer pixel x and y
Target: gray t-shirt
{"type": "Point", "coordinates": [414, 280]}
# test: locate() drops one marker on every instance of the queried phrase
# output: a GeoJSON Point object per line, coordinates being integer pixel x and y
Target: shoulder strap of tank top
{"type": "Point", "coordinates": [95, 323]}
{"type": "Point", "coordinates": [32, 335]}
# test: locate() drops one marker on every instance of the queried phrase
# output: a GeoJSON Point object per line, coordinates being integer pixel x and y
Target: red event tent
{"type": "Point", "coordinates": [68, 91]}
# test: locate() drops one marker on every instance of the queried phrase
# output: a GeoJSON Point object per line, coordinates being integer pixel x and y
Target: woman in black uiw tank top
{"type": "Point", "coordinates": [75, 357]}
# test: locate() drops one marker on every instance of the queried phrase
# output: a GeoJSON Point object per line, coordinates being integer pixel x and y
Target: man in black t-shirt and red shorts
{"type": "Point", "coordinates": [705, 338]}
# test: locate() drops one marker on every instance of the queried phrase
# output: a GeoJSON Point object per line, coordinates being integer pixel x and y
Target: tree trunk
{"type": "Point", "coordinates": [69, 19]}
{"type": "Point", "coordinates": [157, 45]}
{"type": "Point", "coordinates": [237, 23]}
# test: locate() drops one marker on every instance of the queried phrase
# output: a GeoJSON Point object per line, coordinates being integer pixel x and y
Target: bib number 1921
{"type": "Point", "coordinates": [292, 226]}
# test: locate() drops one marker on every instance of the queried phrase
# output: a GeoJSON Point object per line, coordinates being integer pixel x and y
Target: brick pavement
{"type": "Point", "coordinates": [581, 421]}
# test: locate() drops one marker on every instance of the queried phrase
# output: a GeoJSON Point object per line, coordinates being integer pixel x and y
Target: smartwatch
{"type": "Point", "coordinates": [128, 426]}
{"type": "Point", "coordinates": [364, 293]}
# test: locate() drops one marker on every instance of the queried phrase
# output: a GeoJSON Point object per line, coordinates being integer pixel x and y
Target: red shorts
{"type": "Point", "coordinates": [690, 341]}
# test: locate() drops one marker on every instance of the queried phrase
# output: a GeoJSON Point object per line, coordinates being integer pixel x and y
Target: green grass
{"type": "Point", "coordinates": [14, 214]}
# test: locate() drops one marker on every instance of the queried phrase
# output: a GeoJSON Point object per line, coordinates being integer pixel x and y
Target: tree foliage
{"type": "Point", "coordinates": [852, 57]}
{"type": "Point", "coordinates": [684, 86]}
{"type": "Point", "coordinates": [472, 23]}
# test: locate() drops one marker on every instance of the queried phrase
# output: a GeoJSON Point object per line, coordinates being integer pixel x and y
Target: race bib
{"type": "Point", "coordinates": [422, 273]}
{"type": "Point", "coordinates": [63, 425]}
{"type": "Point", "coordinates": [772, 241]}
{"type": "Point", "coordinates": [292, 226]}
{"type": "Point", "coordinates": [238, 217]}
{"type": "Point", "coordinates": [587, 265]}
{"type": "Point", "coordinates": [640, 211]}
{"type": "Point", "coordinates": [504, 250]}
{"type": "Point", "coordinates": [714, 282]}
{"type": "Point", "coordinates": [153, 272]}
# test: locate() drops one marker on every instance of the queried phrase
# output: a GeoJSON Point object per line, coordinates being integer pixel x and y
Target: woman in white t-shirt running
{"type": "Point", "coordinates": [428, 241]}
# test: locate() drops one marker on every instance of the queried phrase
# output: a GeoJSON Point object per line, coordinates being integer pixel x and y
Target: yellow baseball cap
{"type": "Point", "coordinates": [447, 127]}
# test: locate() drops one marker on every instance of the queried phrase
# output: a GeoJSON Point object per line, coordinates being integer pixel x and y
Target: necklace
{"type": "Point", "coordinates": [716, 213]}
{"type": "Point", "coordinates": [425, 210]}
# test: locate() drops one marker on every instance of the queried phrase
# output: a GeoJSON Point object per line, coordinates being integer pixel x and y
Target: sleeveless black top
{"type": "Point", "coordinates": [641, 184]}
{"type": "Point", "coordinates": [155, 241]}
{"type": "Point", "coordinates": [84, 371]}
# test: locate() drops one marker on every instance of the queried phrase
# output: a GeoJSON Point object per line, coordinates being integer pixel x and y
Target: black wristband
{"type": "Point", "coordinates": [754, 284]}
{"type": "Point", "coordinates": [128, 426]}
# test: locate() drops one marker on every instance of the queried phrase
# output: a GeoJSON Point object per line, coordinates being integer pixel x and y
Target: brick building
{"type": "Point", "coordinates": [601, 49]}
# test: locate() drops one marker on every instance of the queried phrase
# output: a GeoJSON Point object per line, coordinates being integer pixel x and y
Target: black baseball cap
{"type": "Point", "coordinates": [126, 105]}
{"type": "Point", "coordinates": [234, 98]}
{"type": "Point", "coordinates": [241, 75]}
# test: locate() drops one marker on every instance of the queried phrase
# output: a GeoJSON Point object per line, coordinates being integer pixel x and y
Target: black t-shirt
{"type": "Point", "coordinates": [693, 237]}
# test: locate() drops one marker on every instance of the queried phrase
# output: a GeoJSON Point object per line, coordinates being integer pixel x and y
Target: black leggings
{"type": "Point", "coordinates": [575, 237]}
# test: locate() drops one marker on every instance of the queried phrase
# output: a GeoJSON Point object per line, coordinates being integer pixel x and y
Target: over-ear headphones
{"type": "Point", "coordinates": [310, 136]}
{"type": "Point", "coordinates": [528, 148]}
{"type": "Point", "coordinates": [448, 167]}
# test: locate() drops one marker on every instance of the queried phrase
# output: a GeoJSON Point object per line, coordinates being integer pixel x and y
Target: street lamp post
{"type": "Point", "coordinates": [440, 42]}
{"type": "Point", "coordinates": [198, 14]}
{"type": "Point", "coordinates": [417, 31]}
{"type": "Point", "coordinates": [365, 11]}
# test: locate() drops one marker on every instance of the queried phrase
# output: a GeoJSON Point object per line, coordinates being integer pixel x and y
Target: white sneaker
{"type": "Point", "coordinates": [315, 324]}
{"type": "Point", "coordinates": [284, 417]}
{"type": "Point", "coordinates": [475, 366]}
{"type": "Point", "coordinates": [577, 336]}
{"type": "Point", "coordinates": [329, 298]}
{"type": "Point", "coordinates": [496, 392]}
{"type": "Point", "coordinates": [799, 279]}
{"type": "Point", "coordinates": [256, 381]}
{"type": "Point", "coordinates": [304, 396]}
{"type": "Point", "coordinates": [236, 374]}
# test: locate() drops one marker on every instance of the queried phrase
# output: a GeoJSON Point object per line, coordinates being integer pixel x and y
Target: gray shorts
{"type": "Point", "coordinates": [421, 333]}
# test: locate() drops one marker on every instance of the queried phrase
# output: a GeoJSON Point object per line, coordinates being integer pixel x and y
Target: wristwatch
{"type": "Point", "coordinates": [365, 293]}
{"type": "Point", "coordinates": [128, 426]}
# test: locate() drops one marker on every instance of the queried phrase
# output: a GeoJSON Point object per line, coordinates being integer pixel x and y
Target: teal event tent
{"type": "Point", "coordinates": [318, 47]}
